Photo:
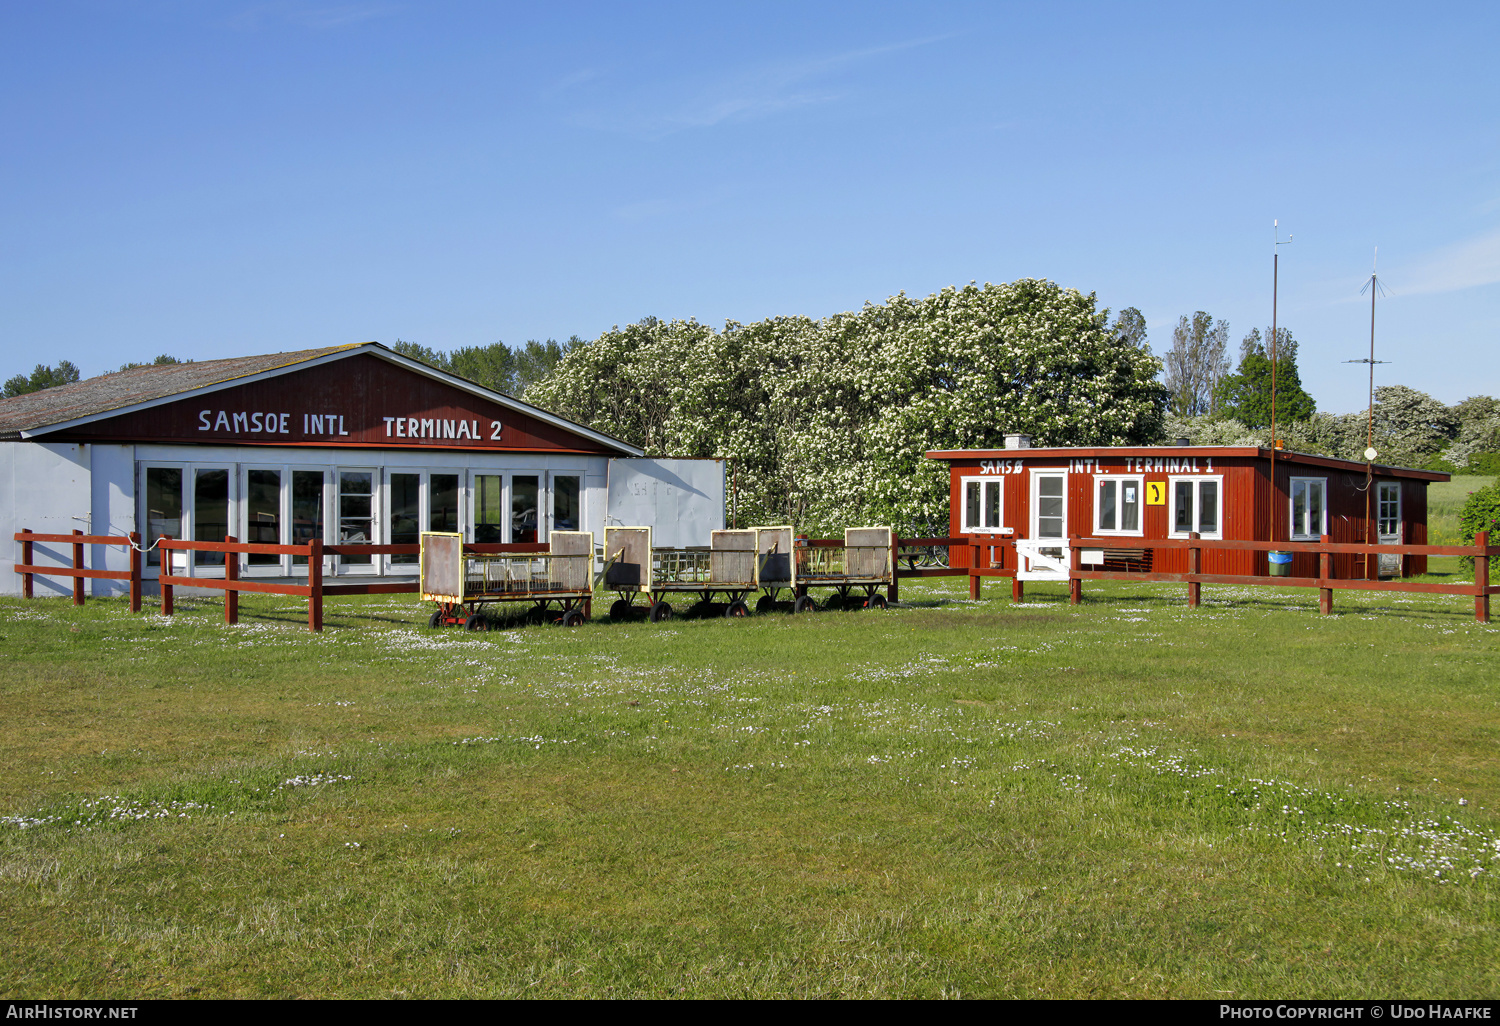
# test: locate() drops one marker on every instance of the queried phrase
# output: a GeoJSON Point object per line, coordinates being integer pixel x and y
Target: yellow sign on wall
{"type": "Point", "coordinates": [1156, 493]}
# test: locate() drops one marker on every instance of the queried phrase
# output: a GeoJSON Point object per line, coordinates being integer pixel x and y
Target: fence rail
{"type": "Point", "coordinates": [980, 565]}
{"type": "Point", "coordinates": [29, 569]}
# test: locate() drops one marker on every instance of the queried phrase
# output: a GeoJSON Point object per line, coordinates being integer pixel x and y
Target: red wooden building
{"type": "Point", "coordinates": [1031, 504]}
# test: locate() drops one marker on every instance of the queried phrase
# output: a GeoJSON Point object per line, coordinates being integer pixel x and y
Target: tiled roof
{"type": "Point", "coordinates": [137, 385]}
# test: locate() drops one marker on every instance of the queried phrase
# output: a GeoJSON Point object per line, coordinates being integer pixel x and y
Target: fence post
{"type": "Point", "coordinates": [1195, 567]}
{"type": "Point", "coordinates": [26, 544]}
{"type": "Point", "coordinates": [1017, 590]}
{"type": "Point", "coordinates": [1325, 571]}
{"type": "Point", "coordinates": [231, 574]}
{"type": "Point", "coordinates": [315, 584]}
{"type": "Point", "coordinates": [165, 562]}
{"type": "Point", "coordinates": [1075, 584]}
{"type": "Point", "coordinates": [1482, 577]}
{"type": "Point", "coordinates": [77, 565]}
{"type": "Point", "coordinates": [893, 591]}
{"type": "Point", "coordinates": [974, 588]}
{"type": "Point", "coordinates": [135, 571]}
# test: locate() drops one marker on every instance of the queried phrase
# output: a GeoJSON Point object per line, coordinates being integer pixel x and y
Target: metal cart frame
{"type": "Point", "coordinates": [725, 569]}
{"type": "Point", "coordinates": [464, 583]}
{"type": "Point", "coordinates": [861, 566]}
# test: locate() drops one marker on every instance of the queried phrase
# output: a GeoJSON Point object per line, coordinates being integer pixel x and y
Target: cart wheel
{"type": "Point", "coordinates": [805, 604]}
{"type": "Point", "coordinates": [736, 609]}
{"type": "Point", "coordinates": [620, 610]}
{"type": "Point", "coordinates": [836, 602]}
{"type": "Point", "coordinates": [875, 602]}
{"type": "Point", "coordinates": [767, 604]}
{"type": "Point", "coordinates": [436, 619]}
{"type": "Point", "coordinates": [475, 622]}
{"type": "Point", "coordinates": [660, 611]}
{"type": "Point", "coordinates": [573, 618]}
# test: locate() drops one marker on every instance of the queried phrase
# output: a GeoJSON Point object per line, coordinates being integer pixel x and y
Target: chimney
{"type": "Point", "coordinates": [1018, 441]}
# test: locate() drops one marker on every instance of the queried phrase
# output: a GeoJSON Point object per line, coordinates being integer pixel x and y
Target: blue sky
{"type": "Point", "coordinates": [214, 179]}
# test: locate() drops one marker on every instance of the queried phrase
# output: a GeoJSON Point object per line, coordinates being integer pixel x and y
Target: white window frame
{"type": "Point", "coordinates": [332, 524]}
{"type": "Point", "coordinates": [1034, 518]}
{"type": "Point", "coordinates": [1380, 488]}
{"type": "Point", "coordinates": [424, 509]}
{"type": "Point", "coordinates": [471, 500]}
{"type": "Point", "coordinates": [241, 516]}
{"type": "Point", "coordinates": [1140, 503]}
{"type": "Point", "coordinates": [1197, 517]}
{"type": "Point", "coordinates": [1295, 533]}
{"type": "Point", "coordinates": [984, 507]}
{"type": "Point", "coordinates": [184, 521]}
{"type": "Point", "coordinates": [551, 500]}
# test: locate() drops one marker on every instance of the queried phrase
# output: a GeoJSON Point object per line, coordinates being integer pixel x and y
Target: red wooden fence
{"type": "Point", "coordinates": [1325, 582]}
{"type": "Point", "coordinates": [28, 569]}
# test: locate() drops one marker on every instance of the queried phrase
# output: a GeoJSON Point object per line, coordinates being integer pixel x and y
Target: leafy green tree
{"type": "Point", "coordinates": [65, 373]}
{"type": "Point", "coordinates": [1196, 363]}
{"type": "Point", "coordinates": [161, 361]}
{"type": "Point", "coordinates": [431, 357]}
{"type": "Point", "coordinates": [1411, 427]}
{"type": "Point", "coordinates": [828, 421]}
{"type": "Point", "coordinates": [1481, 512]}
{"type": "Point", "coordinates": [1131, 326]}
{"type": "Point", "coordinates": [496, 366]}
{"type": "Point", "coordinates": [1245, 395]}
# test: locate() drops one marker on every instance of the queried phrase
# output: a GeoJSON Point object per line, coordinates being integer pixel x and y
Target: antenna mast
{"type": "Point", "coordinates": [1275, 282]}
{"type": "Point", "coordinates": [1375, 287]}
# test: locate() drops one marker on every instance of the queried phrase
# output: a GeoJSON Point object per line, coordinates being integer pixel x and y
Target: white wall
{"type": "Point", "coordinates": [44, 487]}
{"type": "Point", "coordinates": [682, 501]}
{"type": "Point", "coordinates": [113, 497]}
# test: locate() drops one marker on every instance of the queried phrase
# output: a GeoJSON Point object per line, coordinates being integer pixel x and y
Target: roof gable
{"type": "Point", "coordinates": [361, 396]}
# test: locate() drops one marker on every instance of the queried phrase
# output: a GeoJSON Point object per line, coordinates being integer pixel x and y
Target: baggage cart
{"type": "Point", "coordinates": [722, 574]}
{"type": "Point", "coordinates": [855, 570]}
{"type": "Point", "coordinates": [557, 584]}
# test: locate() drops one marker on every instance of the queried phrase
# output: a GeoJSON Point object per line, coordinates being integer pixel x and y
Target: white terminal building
{"type": "Point", "coordinates": [349, 444]}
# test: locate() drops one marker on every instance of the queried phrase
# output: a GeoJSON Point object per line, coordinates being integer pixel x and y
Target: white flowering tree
{"type": "Point", "coordinates": [828, 421]}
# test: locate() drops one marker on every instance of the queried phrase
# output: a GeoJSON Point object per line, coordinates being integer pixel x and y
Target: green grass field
{"type": "Point", "coordinates": [1444, 500]}
{"type": "Point", "coordinates": [1126, 798]}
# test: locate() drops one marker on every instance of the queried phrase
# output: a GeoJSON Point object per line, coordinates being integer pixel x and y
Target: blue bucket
{"type": "Point", "coordinates": [1281, 563]}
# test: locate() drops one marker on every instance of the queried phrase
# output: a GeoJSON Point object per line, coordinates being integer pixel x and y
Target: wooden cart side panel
{"type": "Point", "coordinates": [732, 559]}
{"type": "Point", "coordinates": [573, 562]}
{"type": "Point", "coordinates": [867, 552]}
{"type": "Point", "coordinates": [773, 550]}
{"type": "Point", "coordinates": [441, 567]}
{"type": "Point", "coordinates": [630, 548]}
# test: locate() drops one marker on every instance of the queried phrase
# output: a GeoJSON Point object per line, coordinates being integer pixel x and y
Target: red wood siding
{"type": "Point", "coordinates": [364, 402]}
{"type": "Point", "coordinates": [1251, 509]}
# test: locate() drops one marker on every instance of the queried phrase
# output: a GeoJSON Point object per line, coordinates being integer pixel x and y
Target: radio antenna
{"type": "Point", "coordinates": [1373, 286]}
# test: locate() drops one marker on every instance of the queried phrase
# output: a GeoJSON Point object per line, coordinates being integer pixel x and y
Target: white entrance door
{"type": "Point", "coordinates": [1388, 527]}
{"type": "Point", "coordinates": [357, 523]}
{"type": "Point", "coordinates": [1044, 556]}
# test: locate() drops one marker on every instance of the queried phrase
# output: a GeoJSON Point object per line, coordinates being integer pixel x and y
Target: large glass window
{"type": "Point", "coordinates": [982, 505]}
{"type": "Point", "coordinates": [210, 512]}
{"type": "Point", "coordinates": [307, 509]}
{"type": "Point", "coordinates": [163, 508]}
{"type": "Point", "coordinates": [489, 523]}
{"type": "Point", "coordinates": [1309, 502]}
{"type": "Point", "coordinates": [567, 509]}
{"type": "Point", "coordinates": [1196, 506]}
{"type": "Point", "coordinates": [442, 503]}
{"type": "Point", "coordinates": [263, 514]}
{"type": "Point", "coordinates": [523, 508]}
{"type": "Point", "coordinates": [406, 513]}
{"type": "Point", "coordinates": [1117, 505]}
